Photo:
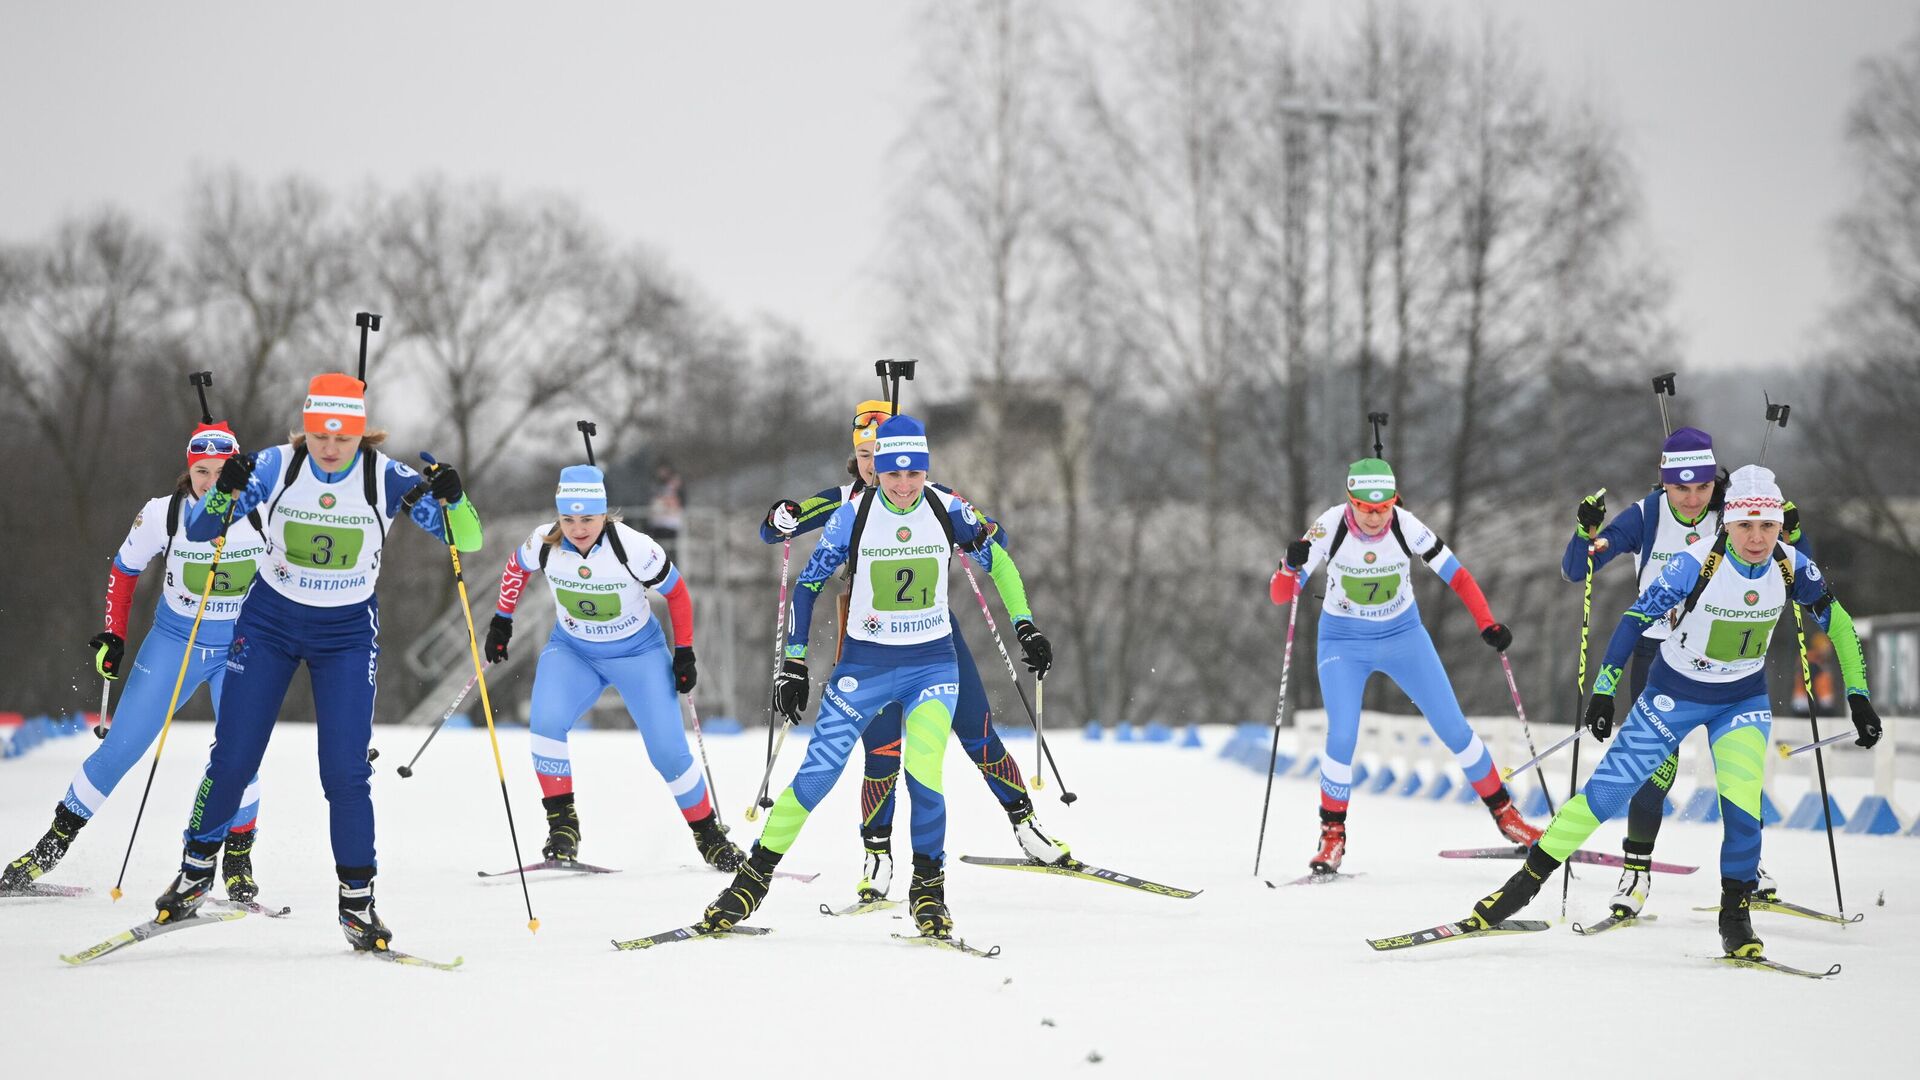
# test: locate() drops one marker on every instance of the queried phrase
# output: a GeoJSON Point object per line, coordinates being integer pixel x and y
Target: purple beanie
{"type": "Point", "coordinates": [1687, 457]}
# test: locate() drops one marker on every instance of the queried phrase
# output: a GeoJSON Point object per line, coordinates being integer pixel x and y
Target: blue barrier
{"type": "Point", "coordinates": [1155, 732]}
{"type": "Point", "coordinates": [1442, 783]}
{"type": "Point", "coordinates": [1190, 740]}
{"type": "Point", "coordinates": [1874, 817]}
{"type": "Point", "coordinates": [1360, 774]}
{"type": "Point", "coordinates": [1410, 786]}
{"type": "Point", "coordinates": [1807, 815]}
{"type": "Point", "coordinates": [1093, 731]}
{"type": "Point", "coordinates": [1769, 813]}
{"type": "Point", "coordinates": [1703, 806]}
{"type": "Point", "coordinates": [1467, 795]}
{"type": "Point", "coordinates": [1123, 733]}
{"type": "Point", "coordinates": [1535, 803]}
{"type": "Point", "coordinates": [1383, 780]}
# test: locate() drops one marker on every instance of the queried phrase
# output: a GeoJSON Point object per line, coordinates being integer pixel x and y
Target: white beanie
{"type": "Point", "coordinates": [1752, 495]}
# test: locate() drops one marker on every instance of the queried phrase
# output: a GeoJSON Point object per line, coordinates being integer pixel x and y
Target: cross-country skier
{"type": "Point", "coordinates": [898, 538]}
{"type": "Point", "coordinates": [327, 500]}
{"type": "Point", "coordinates": [600, 571]}
{"type": "Point", "coordinates": [157, 533]}
{"type": "Point", "coordinates": [1727, 591]}
{"type": "Point", "coordinates": [1674, 517]}
{"type": "Point", "coordinates": [1369, 623]}
{"type": "Point", "coordinates": [972, 720]}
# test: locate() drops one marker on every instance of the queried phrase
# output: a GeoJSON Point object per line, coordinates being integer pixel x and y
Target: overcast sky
{"type": "Point", "coordinates": [750, 141]}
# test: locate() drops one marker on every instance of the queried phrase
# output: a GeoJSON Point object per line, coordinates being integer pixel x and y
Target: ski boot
{"type": "Point", "coordinates": [362, 925]}
{"type": "Point", "coordinates": [927, 896]}
{"type": "Point", "coordinates": [1036, 845]}
{"type": "Point", "coordinates": [189, 889]}
{"type": "Point", "coordinates": [563, 829]}
{"type": "Point", "coordinates": [1736, 922]}
{"type": "Point", "coordinates": [46, 854]}
{"type": "Point", "coordinates": [236, 867]}
{"type": "Point", "coordinates": [1636, 881]}
{"type": "Point", "coordinates": [1505, 902]}
{"type": "Point", "coordinates": [1333, 842]}
{"type": "Point", "coordinates": [1507, 817]}
{"type": "Point", "coordinates": [738, 901]}
{"type": "Point", "coordinates": [877, 875]}
{"type": "Point", "coordinates": [718, 851]}
{"type": "Point", "coordinates": [1765, 891]}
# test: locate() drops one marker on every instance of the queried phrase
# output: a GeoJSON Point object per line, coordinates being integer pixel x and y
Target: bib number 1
{"type": "Point", "coordinates": [1729, 640]}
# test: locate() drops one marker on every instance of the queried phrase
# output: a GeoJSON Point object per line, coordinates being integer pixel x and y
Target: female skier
{"type": "Point", "coordinates": [1368, 624]}
{"type": "Point", "coordinates": [327, 499]}
{"type": "Point", "coordinates": [972, 720]}
{"type": "Point", "coordinates": [1674, 517]}
{"type": "Point", "coordinates": [600, 571]}
{"type": "Point", "coordinates": [1726, 593]}
{"type": "Point", "coordinates": [156, 532]}
{"type": "Point", "coordinates": [898, 539]}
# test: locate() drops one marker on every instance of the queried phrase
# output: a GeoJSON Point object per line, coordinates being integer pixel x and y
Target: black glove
{"type": "Point", "coordinates": [684, 675]}
{"type": "Point", "coordinates": [1790, 523]}
{"type": "Point", "coordinates": [1297, 554]}
{"type": "Point", "coordinates": [234, 474]}
{"type": "Point", "coordinates": [790, 690]}
{"type": "Point", "coordinates": [1497, 636]}
{"type": "Point", "coordinates": [1865, 721]}
{"type": "Point", "coordinates": [109, 647]}
{"type": "Point", "coordinates": [1592, 513]}
{"type": "Point", "coordinates": [444, 481]}
{"type": "Point", "coordinates": [784, 517]}
{"type": "Point", "coordinates": [1035, 649]}
{"type": "Point", "coordinates": [1600, 716]}
{"type": "Point", "coordinates": [499, 632]}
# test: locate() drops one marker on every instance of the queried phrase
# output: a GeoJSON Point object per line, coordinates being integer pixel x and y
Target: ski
{"type": "Point", "coordinates": [788, 874]}
{"type": "Point", "coordinates": [252, 908]}
{"type": "Point", "coordinates": [688, 933]}
{"type": "Point", "coordinates": [411, 960]}
{"type": "Point", "coordinates": [1761, 963]}
{"type": "Point", "coordinates": [1330, 877]}
{"type": "Point", "coordinates": [1610, 922]}
{"type": "Point", "coordinates": [1781, 907]}
{"type": "Point", "coordinates": [569, 866]}
{"type": "Point", "coordinates": [35, 888]}
{"type": "Point", "coordinates": [861, 908]}
{"type": "Point", "coordinates": [954, 944]}
{"type": "Point", "coordinates": [1076, 868]}
{"type": "Point", "coordinates": [1454, 931]}
{"type": "Point", "coordinates": [1595, 858]}
{"type": "Point", "coordinates": [149, 929]}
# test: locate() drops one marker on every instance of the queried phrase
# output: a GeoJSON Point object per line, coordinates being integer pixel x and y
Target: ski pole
{"type": "Point", "coordinates": [761, 801]}
{"type": "Point", "coordinates": [106, 687]}
{"type": "Point", "coordinates": [486, 703]}
{"type": "Point", "coordinates": [1514, 689]}
{"type": "Point", "coordinates": [1816, 744]}
{"type": "Point", "coordinates": [1662, 390]}
{"type": "Point", "coordinates": [1279, 716]}
{"type": "Point", "coordinates": [713, 793]}
{"type": "Point", "coordinates": [179, 680]}
{"type": "Point", "coordinates": [1776, 417]}
{"type": "Point", "coordinates": [993, 628]}
{"type": "Point", "coordinates": [407, 769]}
{"type": "Point", "coordinates": [1039, 729]}
{"type": "Point", "coordinates": [1586, 622]}
{"type": "Point", "coordinates": [1544, 755]}
{"type": "Point", "coordinates": [1819, 759]}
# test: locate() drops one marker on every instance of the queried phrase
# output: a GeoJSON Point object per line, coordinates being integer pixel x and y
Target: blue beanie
{"type": "Point", "coordinates": [901, 447]}
{"type": "Point", "coordinates": [583, 490]}
{"type": "Point", "coordinates": [1687, 457]}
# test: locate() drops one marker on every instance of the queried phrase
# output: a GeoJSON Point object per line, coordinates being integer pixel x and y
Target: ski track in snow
{"type": "Point", "coordinates": [1243, 978]}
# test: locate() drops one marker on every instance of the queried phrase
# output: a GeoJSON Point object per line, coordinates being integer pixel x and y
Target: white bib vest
{"type": "Point", "coordinates": [187, 561]}
{"type": "Point", "coordinates": [1724, 639]}
{"type": "Point", "coordinates": [899, 594]}
{"type": "Point", "coordinates": [1368, 579]}
{"type": "Point", "coordinates": [1670, 537]}
{"type": "Point", "coordinates": [594, 597]}
{"type": "Point", "coordinates": [324, 541]}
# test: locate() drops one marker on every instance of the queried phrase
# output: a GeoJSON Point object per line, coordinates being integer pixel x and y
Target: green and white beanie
{"type": "Point", "coordinates": [1370, 480]}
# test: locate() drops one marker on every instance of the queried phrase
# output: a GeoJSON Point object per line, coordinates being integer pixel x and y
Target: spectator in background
{"type": "Point", "coordinates": [666, 513]}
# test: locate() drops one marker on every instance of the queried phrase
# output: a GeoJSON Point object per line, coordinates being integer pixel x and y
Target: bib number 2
{"type": "Point", "coordinates": [903, 584]}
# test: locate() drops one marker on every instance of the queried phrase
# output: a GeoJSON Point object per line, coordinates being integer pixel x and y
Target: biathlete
{"type": "Point", "coordinates": [1684, 509]}
{"type": "Point", "coordinates": [157, 533]}
{"type": "Point", "coordinates": [973, 717]}
{"type": "Point", "coordinates": [1726, 593]}
{"type": "Point", "coordinates": [327, 500]}
{"type": "Point", "coordinates": [898, 539]}
{"type": "Point", "coordinates": [1369, 624]}
{"type": "Point", "coordinates": [600, 571]}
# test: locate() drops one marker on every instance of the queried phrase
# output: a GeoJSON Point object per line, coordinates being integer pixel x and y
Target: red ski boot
{"type": "Point", "coordinates": [1333, 847]}
{"type": "Point", "coordinates": [1512, 825]}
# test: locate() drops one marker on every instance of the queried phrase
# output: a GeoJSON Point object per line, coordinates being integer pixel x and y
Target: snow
{"type": "Point", "coordinates": [1242, 978]}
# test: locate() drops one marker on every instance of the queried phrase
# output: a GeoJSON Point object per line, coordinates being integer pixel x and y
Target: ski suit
{"type": "Point", "coordinates": [1710, 672]}
{"type": "Point", "coordinates": [313, 600]}
{"type": "Point", "coordinates": [605, 635]}
{"type": "Point", "coordinates": [1369, 623]}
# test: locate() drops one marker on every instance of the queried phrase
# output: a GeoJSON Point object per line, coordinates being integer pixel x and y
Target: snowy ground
{"type": "Point", "coordinates": [1093, 979]}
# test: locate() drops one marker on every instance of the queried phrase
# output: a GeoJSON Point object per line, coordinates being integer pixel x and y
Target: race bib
{"type": "Point", "coordinates": [1377, 589]}
{"type": "Point", "coordinates": [903, 584]}
{"type": "Point", "coordinates": [229, 578]}
{"type": "Point", "coordinates": [323, 548]}
{"type": "Point", "coordinates": [589, 607]}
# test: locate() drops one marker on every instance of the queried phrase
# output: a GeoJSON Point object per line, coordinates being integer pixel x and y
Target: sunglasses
{"type": "Point", "coordinates": [1371, 508]}
{"type": "Point", "coordinates": [213, 443]}
{"type": "Point", "coordinates": [870, 418]}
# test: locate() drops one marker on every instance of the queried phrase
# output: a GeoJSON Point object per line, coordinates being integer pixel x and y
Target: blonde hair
{"type": "Point", "coordinates": [372, 440]}
{"type": "Point", "coordinates": [554, 535]}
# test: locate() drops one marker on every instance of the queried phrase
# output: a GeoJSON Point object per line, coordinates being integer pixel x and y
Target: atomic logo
{"type": "Point", "coordinates": [1751, 598]}
{"type": "Point", "coordinates": [903, 534]}
{"type": "Point", "coordinates": [586, 571]}
{"type": "Point", "coordinates": [327, 501]}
